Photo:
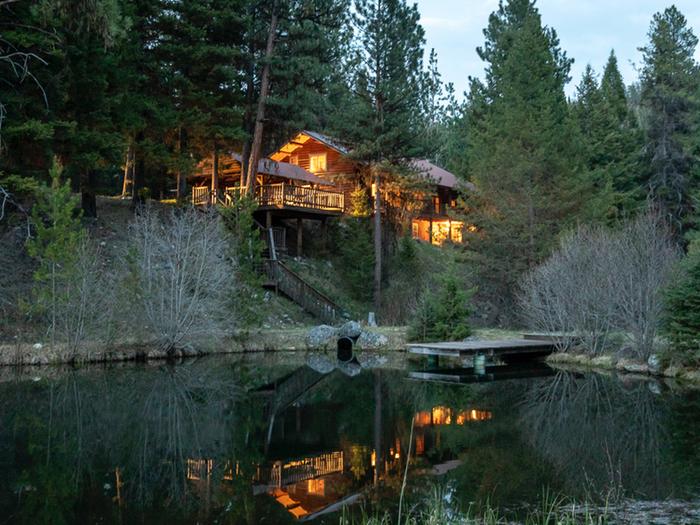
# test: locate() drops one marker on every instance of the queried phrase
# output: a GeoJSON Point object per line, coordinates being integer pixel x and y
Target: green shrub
{"type": "Point", "coordinates": [443, 314]}
{"type": "Point", "coordinates": [356, 262]}
{"type": "Point", "coordinates": [683, 311]}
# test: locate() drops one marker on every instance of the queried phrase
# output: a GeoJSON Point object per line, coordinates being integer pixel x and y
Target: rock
{"type": "Point", "coordinates": [350, 369]}
{"type": "Point", "coordinates": [634, 367]}
{"type": "Point", "coordinates": [372, 341]}
{"type": "Point", "coordinates": [692, 376]}
{"type": "Point", "coordinates": [371, 360]}
{"type": "Point", "coordinates": [603, 361]}
{"type": "Point", "coordinates": [654, 364]}
{"type": "Point", "coordinates": [351, 329]}
{"type": "Point", "coordinates": [672, 371]}
{"type": "Point", "coordinates": [156, 353]}
{"type": "Point", "coordinates": [322, 337]}
{"type": "Point", "coordinates": [320, 363]}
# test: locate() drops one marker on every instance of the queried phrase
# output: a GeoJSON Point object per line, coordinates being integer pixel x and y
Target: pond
{"type": "Point", "coordinates": [270, 439]}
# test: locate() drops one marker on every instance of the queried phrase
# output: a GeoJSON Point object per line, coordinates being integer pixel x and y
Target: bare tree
{"type": "Point", "coordinates": [646, 256]}
{"type": "Point", "coordinates": [184, 275]}
{"type": "Point", "coordinates": [603, 281]}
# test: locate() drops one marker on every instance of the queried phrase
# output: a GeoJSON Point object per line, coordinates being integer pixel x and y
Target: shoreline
{"type": "Point", "coordinates": [245, 341]}
{"type": "Point", "coordinates": [270, 340]}
{"type": "Point", "coordinates": [607, 364]}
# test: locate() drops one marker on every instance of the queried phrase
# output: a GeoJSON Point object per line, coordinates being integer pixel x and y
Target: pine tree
{"type": "Point", "coordinates": [443, 315]}
{"type": "Point", "coordinates": [669, 95]}
{"type": "Point", "coordinates": [611, 143]}
{"type": "Point", "coordinates": [683, 305]}
{"type": "Point", "coordinates": [523, 160]}
{"type": "Point", "coordinates": [380, 115]}
{"type": "Point", "coordinates": [57, 236]}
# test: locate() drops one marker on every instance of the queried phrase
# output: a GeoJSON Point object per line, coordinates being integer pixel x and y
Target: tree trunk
{"type": "Point", "coordinates": [260, 115]}
{"type": "Point", "coordinates": [128, 185]}
{"type": "Point", "coordinates": [181, 174]}
{"type": "Point", "coordinates": [377, 241]}
{"type": "Point", "coordinates": [215, 175]}
{"type": "Point", "coordinates": [377, 425]}
{"type": "Point", "coordinates": [139, 174]}
{"type": "Point", "coordinates": [87, 193]}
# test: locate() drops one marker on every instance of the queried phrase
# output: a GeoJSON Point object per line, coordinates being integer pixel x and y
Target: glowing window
{"type": "Point", "coordinates": [317, 162]}
{"type": "Point", "coordinates": [316, 487]}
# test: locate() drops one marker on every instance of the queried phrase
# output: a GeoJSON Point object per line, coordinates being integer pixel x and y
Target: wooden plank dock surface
{"type": "Point", "coordinates": [503, 347]}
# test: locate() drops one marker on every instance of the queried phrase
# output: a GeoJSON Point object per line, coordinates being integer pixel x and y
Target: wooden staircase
{"type": "Point", "coordinates": [284, 280]}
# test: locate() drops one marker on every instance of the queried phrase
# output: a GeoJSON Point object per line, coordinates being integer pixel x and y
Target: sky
{"type": "Point", "coordinates": [587, 30]}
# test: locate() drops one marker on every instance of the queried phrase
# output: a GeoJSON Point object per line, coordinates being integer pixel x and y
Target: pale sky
{"type": "Point", "coordinates": [587, 29]}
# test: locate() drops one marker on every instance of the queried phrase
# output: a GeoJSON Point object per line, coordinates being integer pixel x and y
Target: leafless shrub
{"type": "Point", "coordinates": [184, 274]}
{"type": "Point", "coordinates": [81, 311]}
{"type": "Point", "coordinates": [602, 281]}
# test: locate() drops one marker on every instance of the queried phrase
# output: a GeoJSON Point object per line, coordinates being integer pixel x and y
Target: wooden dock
{"type": "Point", "coordinates": [504, 348]}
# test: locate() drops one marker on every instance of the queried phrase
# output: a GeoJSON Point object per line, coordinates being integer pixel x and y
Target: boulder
{"type": "Point", "coordinates": [372, 341]}
{"type": "Point", "coordinates": [654, 364]}
{"type": "Point", "coordinates": [351, 329]}
{"type": "Point", "coordinates": [320, 363]}
{"type": "Point", "coordinates": [371, 360]}
{"type": "Point", "coordinates": [634, 367]}
{"type": "Point", "coordinates": [322, 337]}
{"type": "Point", "coordinates": [349, 369]}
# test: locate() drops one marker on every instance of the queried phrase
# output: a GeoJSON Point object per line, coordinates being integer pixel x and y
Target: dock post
{"type": "Point", "coordinates": [433, 361]}
{"type": "Point", "coordinates": [479, 364]}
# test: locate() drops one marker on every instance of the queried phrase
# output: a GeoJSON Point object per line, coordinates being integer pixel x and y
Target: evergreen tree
{"type": "Point", "coordinates": [57, 235]}
{"type": "Point", "coordinates": [610, 141]}
{"type": "Point", "coordinates": [380, 115]}
{"type": "Point", "coordinates": [669, 95]}
{"type": "Point", "coordinates": [525, 158]}
{"type": "Point", "coordinates": [443, 315]}
{"type": "Point", "coordinates": [683, 318]}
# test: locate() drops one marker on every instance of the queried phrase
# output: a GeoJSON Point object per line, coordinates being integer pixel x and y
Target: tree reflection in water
{"type": "Point", "coordinates": [603, 436]}
{"type": "Point", "coordinates": [195, 442]}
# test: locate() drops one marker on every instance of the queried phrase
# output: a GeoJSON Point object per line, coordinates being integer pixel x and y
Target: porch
{"type": "Point", "coordinates": [278, 196]}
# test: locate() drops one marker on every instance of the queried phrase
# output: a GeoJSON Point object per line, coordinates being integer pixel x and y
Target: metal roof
{"type": "Point", "coordinates": [286, 170]}
{"type": "Point", "coordinates": [441, 176]}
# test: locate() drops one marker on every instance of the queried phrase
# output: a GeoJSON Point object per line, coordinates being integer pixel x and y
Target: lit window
{"type": "Point", "coordinates": [316, 487]}
{"type": "Point", "coordinates": [294, 159]}
{"type": "Point", "coordinates": [317, 162]}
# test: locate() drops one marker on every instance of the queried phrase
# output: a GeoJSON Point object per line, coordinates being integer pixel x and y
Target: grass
{"type": "Point", "coordinates": [437, 510]}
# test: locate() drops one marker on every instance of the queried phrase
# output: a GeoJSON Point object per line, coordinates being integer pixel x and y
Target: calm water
{"type": "Point", "coordinates": [271, 440]}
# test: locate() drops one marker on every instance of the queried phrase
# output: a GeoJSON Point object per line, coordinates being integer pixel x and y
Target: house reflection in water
{"type": "Point", "coordinates": [441, 416]}
{"type": "Point", "coordinates": [317, 484]}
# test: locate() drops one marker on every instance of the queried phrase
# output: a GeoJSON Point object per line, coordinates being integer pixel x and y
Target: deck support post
{"type": "Point", "coordinates": [300, 232]}
{"type": "Point", "coordinates": [479, 364]}
{"type": "Point", "coordinates": [268, 219]}
{"type": "Point", "coordinates": [324, 234]}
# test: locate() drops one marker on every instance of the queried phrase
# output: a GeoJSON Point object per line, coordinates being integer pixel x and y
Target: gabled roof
{"type": "Point", "coordinates": [441, 176]}
{"type": "Point", "coordinates": [286, 170]}
{"type": "Point", "coordinates": [303, 137]}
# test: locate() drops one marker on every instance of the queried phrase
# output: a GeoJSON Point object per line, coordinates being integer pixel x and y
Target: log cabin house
{"type": "Point", "coordinates": [313, 177]}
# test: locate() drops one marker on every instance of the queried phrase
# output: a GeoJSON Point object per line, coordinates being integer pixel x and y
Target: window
{"type": "Point", "coordinates": [317, 162]}
{"type": "Point", "coordinates": [294, 159]}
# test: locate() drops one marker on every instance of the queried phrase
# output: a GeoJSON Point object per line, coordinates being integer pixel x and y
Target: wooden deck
{"type": "Point", "coordinates": [500, 348]}
{"type": "Point", "coordinates": [280, 196]}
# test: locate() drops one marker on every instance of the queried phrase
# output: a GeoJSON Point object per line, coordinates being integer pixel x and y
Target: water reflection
{"type": "Point", "coordinates": [231, 441]}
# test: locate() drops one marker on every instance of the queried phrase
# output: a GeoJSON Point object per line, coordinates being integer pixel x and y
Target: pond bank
{"type": "Point", "coordinates": [254, 340]}
{"type": "Point", "coordinates": [607, 363]}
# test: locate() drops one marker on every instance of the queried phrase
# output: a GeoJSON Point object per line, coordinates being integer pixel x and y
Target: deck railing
{"type": "Point", "coordinates": [280, 195]}
{"type": "Point", "coordinates": [201, 195]}
{"type": "Point", "coordinates": [296, 288]}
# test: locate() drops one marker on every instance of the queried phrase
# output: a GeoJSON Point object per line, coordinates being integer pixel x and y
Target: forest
{"type": "Point", "coordinates": [584, 208]}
